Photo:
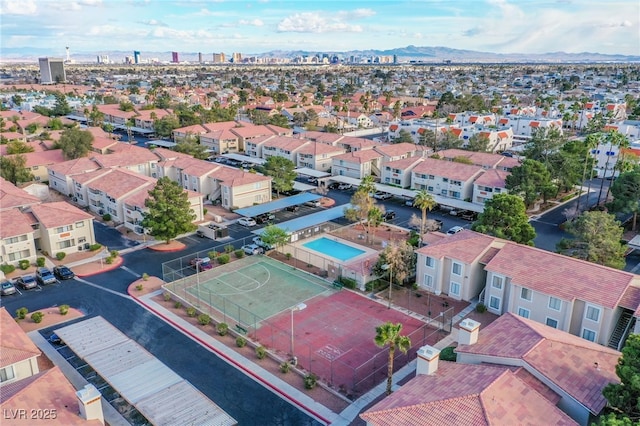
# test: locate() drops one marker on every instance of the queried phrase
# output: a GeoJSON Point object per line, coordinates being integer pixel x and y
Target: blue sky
{"type": "Point", "coordinates": [256, 26]}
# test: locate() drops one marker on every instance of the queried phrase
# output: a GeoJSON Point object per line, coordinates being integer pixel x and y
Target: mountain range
{"type": "Point", "coordinates": [428, 54]}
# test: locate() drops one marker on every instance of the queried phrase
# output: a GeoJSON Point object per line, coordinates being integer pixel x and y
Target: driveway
{"type": "Point", "coordinates": [112, 238]}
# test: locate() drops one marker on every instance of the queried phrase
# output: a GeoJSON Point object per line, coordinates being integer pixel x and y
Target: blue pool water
{"type": "Point", "coordinates": [333, 248]}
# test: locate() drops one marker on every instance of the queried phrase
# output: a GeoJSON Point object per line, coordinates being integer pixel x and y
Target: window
{"type": "Point", "coordinates": [524, 313]}
{"type": "Point", "coordinates": [552, 323]}
{"type": "Point", "coordinates": [429, 262]}
{"type": "Point", "coordinates": [62, 229]}
{"type": "Point", "coordinates": [494, 303]}
{"type": "Point", "coordinates": [589, 334]}
{"type": "Point", "coordinates": [66, 244]}
{"type": "Point", "coordinates": [454, 288]}
{"type": "Point", "coordinates": [497, 282]}
{"type": "Point", "coordinates": [456, 269]}
{"type": "Point", "coordinates": [428, 280]}
{"type": "Point", "coordinates": [593, 313]}
{"type": "Point", "coordinates": [82, 240]}
{"type": "Point", "coordinates": [555, 304]}
{"type": "Point", "coordinates": [79, 224]}
{"type": "Point", "coordinates": [525, 294]}
{"type": "Point", "coordinates": [7, 374]}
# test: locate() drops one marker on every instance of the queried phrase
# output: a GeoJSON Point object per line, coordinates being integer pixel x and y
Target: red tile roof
{"type": "Point", "coordinates": [58, 213]}
{"type": "Point", "coordinates": [448, 169]}
{"type": "Point", "coordinates": [15, 346]}
{"type": "Point", "coordinates": [492, 178]}
{"type": "Point", "coordinates": [11, 196]}
{"type": "Point", "coordinates": [466, 246]}
{"type": "Point", "coordinates": [14, 223]}
{"type": "Point", "coordinates": [564, 359]}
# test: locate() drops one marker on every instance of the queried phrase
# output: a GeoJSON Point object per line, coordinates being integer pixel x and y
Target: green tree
{"type": "Point", "coordinates": [191, 146]}
{"type": "Point", "coordinates": [530, 180]}
{"type": "Point", "coordinates": [388, 334]}
{"type": "Point", "coordinates": [281, 171]}
{"type": "Point", "coordinates": [449, 141]}
{"type": "Point", "coordinates": [401, 260]}
{"type": "Point", "coordinates": [504, 216]}
{"type": "Point", "coordinates": [403, 136]}
{"type": "Point", "coordinates": [425, 202]}
{"type": "Point", "coordinates": [170, 212]}
{"type": "Point", "coordinates": [626, 194]}
{"type": "Point", "coordinates": [279, 120]}
{"type": "Point", "coordinates": [13, 169]}
{"type": "Point", "coordinates": [597, 238]}
{"type": "Point", "coordinates": [274, 236]}
{"type": "Point", "coordinates": [166, 125]}
{"type": "Point", "coordinates": [624, 397]}
{"type": "Point", "coordinates": [18, 147]}
{"type": "Point", "coordinates": [478, 143]}
{"type": "Point", "coordinates": [75, 143]}
{"type": "Point", "coordinates": [61, 106]}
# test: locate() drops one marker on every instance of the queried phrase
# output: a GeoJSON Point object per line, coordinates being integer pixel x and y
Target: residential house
{"type": "Point", "coordinates": [356, 164]}
{"type": "Point", "coordinates": [354, 120]}
{"type": "Point", "coordinates": [18, 355]}
{"type": "Point", "coordinates": [571, 370]}
{"type": "Point", "coordinates": [524, 127]}
{"type": "Point", "coordinates": [469, 118]}
{"type": "Point", "coordinates": [445, 178]}
{"type": "Point", "coordinates": [61, 227]}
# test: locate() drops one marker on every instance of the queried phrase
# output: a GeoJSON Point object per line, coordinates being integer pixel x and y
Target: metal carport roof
{"type": "Point", "coordinates": [279, 204]}
{"type": "Point", "coordinates": [155, 390]}
{"type": "Point", "coordinates": [248, 159]}
{"type": "Point", "coordinates": [311, 172]}
{"type": "Point", "coordinates": [299, 186]}
{"type": "Point", "coordinates": [310, 220]}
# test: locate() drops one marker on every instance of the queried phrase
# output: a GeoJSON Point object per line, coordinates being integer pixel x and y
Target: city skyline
{"type": "Point", "coordinates": [499, 26]}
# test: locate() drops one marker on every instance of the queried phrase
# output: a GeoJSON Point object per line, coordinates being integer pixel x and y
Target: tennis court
{"type": "Point", "coordinates": [251, 289]}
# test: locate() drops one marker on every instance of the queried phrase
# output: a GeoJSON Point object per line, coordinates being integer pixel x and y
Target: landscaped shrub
{"type": "Point", "coordinates": [481, 308]}
{"type": "Point", "coordinates": [94, 247]}
{"type": "Point", "coordinates": [288, 256]}
{"type": "Point", "coordinates": [167, 296]}
{"type": "Point", "coordinates": [24, 264]}
{"type": "Point", "coordinates": [64, 309]}
{"type": "Point", "coordinates": [178, 305]}
{"type": "Point", "coordinates": [448, 354]}
{"type": "Point", "coordinates": [145, 277]}
{"type": "Point", "coordinates": [373, 285]}
{"type": "Point", "coordinates": [261, 352]}
{"type": "Point", "coordinates": [139, 287]}
{"type": "Point", "coordinates": [213, 254]}
{"type": "Point", "coordinates": [310, 381]}
{"type": "Point", "coordinates": [21, 313]}
{"type": "Point", "coordinates": [108, 260]}
{"type": "Point", "coordinates": [40, 262]}
{"type": "Point", "coordinates": [285, 367]}
{"type": "Point", "coordinates": [60, 255]}
{"type": "Point", "coordinates": [106, 217]}
{"type": "Point", "coordinates": [223, 258]}
{"type": "Point", "coordinates": [7, 269]}
{"type": "Point", "coordinates": [191, 311]}
{"type": "Point", "coordinates": [204, 319]}
{"type": "Point", "coordinates": [348, 282]}
{"type": "Point", "coordinates": [229, 248]}
{"type": "Point", "coordinates": [204, 212]}
{"type": "Point", "coordinates": [37, 317]}
{"type": "Point", "coordinates": [241, 342]}
{"type": "Point", "coordinates": [114, 253]}
{"type": "Point", "coordinates": [222, 328]}
{"type": "Point", "coordinates": [239, 253]}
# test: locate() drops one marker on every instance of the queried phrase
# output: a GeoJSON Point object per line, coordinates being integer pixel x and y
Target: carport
{"type": "Point", "coordinates": [159, 394]}
{"type": "Point", "coordinates": [276, 205]}
{"type": "Point", "coordinates": [244, 158]}
{"type": "Point", "coordinates": [306, 171]}
{"type": "Point", "coordinates": [160, 142]}
{"type": "Point", "coordinates": [313, 220]}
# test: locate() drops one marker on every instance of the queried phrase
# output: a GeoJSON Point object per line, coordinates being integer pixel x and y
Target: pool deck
{"type": "Point", "coordinates": [366, 251]}
{"type": "Point", "coordinates": [331, 245]}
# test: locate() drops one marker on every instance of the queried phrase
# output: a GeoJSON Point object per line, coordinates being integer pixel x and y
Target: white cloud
{"type": "Point", "coordinates": [316, 23]}
{"type": "Point", "coordinates": [18, 7]}
{"type": "Point", "coordinates": [153, 23]}
{"type": "Point", "coordinates": [253, 22]}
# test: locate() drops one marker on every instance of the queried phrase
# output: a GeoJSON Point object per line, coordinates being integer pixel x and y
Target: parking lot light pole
{"type": "Point", "coordinates": [298, 307]}
{"type": "Point", "coordinates": [390, 268]}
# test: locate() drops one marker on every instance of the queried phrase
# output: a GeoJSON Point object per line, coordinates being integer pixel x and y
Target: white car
{"type": "Point", "coordinates": [455, 230]}
{"type": "Point", "coordinates": [345, 186]}
{"type": "Point", "coordinates": [247, 221]}
{"type": "Point", "coordinates": [258, 241]}
{"type": "Point", "coordinates": [382, 195]}
{"type": "Point", "coordinates": [252, 249]}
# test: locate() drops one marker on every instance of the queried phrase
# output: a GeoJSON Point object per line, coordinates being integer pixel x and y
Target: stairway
{"type": "Point", "coordinates": [621, 330]}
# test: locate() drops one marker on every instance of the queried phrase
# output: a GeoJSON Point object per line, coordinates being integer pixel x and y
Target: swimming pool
{"type": "Point", "coordinates": [333, 248]}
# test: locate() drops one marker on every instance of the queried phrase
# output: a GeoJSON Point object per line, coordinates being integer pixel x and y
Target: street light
{"type": "Point", "coordinates": [298, 307]}
{"type": "Point", "coordinates": [390, 268]}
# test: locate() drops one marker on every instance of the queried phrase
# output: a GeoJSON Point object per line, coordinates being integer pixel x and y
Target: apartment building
{"type": "Point", "coordinates": [587, 300]}
{"type": "Point", "coordinates": [445, 178]}
{"type": "Point", "coordinates": [485, 160]}
{"type": "Point", "coordinates": [61, 227]}
{"type": "Point", "coordinates": [357, 164]}
{"type": "Point", "coordinates": [17, 240]}
{"type": "Point", "coordinates": [399, 172]}
{"type": "Point", "coordinates": [282, 146]}
{"type": "Point", "coordinates": [317, 156]}
{"type": "Point", "coordinates": [38, 161]}
{"type": "Point", "coordinates": [489, 183]}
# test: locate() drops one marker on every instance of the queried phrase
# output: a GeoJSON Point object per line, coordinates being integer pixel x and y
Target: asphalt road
{"type": "Point", "coordinates": [244, 399]}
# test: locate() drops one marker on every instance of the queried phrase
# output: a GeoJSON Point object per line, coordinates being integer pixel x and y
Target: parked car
{"type": "Point", "coordinates": [293, 208]}
{"type": "Point", "coordinates": [315, 203]}
{"type": "Point", "coordinates": [312, 180]}
{"type": "Point", "coordinates": [45, 276]}
{"type": "Point", "coordinates": [333, 185]}
{"type": "Point", "coordinates": [63, 273]}
{"type": "Point", "coordinates": [27, 282]}
{"type": "Point", "coordinates": [247, 221]}
{"type": "Point", "coordinates": [455, 230]}
{"type": "Point", "coordinates": [345, 186]}
{"type": "Point", "coordinates": [258, 241]}
{"type": "Point", "coordinates": [389, 215]}
{"type": "Point", "coordinates": [290, 192]}
{"type": "Point", "coordinates": [7, 288]}
{"type": "Point", "coordinates": [468, 215]}
{"type": "Point", "coordinates": [382, 195]}
{"type": "Point", "coordinates": [55, 339]}
{"type": "Point", "coordinates": [251, 249]}
{"type": "Point", "coordinates": [201, 264]}
{"type": "Point", "coordinates": [264, 218]}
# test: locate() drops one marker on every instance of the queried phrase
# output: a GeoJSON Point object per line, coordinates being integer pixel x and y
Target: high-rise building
{"type": "Point", "coordinates": [174, 57]}
{"type": "Point", "coordinates": [200, 57]}
{"type": "Point", "coordinates": [236, 58]}
{"type": "Point", "coordinates": [52, 70]}
{"type": "Point", "coordinates": [136, 57]}
{"type": "Point", "coordinates": [103, 59]}
{"type": "Point", "coordinates": [219, 58]}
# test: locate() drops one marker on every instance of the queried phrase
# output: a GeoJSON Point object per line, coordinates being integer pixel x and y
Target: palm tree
{"type": "Point", "coordinates": [424, 201]}
{"type": "Point", "coordinates": [591, 142]}
{"type": "Point", "coordinates": [388, 334]}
